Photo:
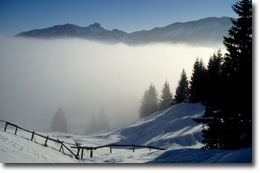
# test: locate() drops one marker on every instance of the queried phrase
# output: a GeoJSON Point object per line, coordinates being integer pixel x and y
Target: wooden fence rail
{"type": "Point", "coordinates": [42, 136]}
{"type": "Point", "coordinates": [75, 146]}
{"type": "Point", "coordinates": [82, 148]}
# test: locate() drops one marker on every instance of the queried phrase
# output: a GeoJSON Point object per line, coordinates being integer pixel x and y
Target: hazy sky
{"type": "Point", "coordinates": [39, 76]}
{"type": "Point", "coordinates": [127, 15]}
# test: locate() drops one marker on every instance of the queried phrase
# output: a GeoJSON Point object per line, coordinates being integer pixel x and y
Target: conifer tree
{"type": "Point", "coordinates": [149, 103]}
{"type": "Point", "coordinates": [144, 105]}
{"type": "Point", "coordinates": [59, 123]}
{"type": "Point", "coordinates": [166, 98]}
{"type": "Point", "coordinates": [213, 90]}
{"type": "Point", "coordinates": [228, 122]}
{"type": "Point", "coordinates": [198, 82]}
{"type": "Point", "coordinates": [238, 72]}
{"type": "Point", "coordinates": [182, 90]}
{"type": "Point", "coordinates": [238, 61]}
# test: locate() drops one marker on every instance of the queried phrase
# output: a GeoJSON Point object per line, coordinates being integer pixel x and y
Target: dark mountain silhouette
{"type": "Point", "coordinates": [201, 32]}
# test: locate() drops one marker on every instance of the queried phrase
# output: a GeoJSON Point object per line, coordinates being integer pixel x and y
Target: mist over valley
{"type": "Point", "coordinates": [39, 76]}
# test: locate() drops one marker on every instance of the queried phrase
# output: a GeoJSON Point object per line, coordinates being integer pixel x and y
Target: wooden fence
{"type": "Point", "coordinates": [47, 138]}
{"type": "Point", "coordinates": [80, 149]}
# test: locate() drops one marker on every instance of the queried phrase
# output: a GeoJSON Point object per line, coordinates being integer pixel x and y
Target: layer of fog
{"type": "Point", "coordinates": [37, 77]}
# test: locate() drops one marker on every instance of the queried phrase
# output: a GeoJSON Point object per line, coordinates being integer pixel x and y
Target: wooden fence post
{"type": "Point", "coordinates": [70, 151]}
{"type": "Point", "coordinates": [6, 126]}
{"type": "Point", "coordinates": [110, 149]}
{"type": "Point", "coordinates": [91, 153]}
{"type": "Point", "coordinates": [133, 148]}
{"type": "Point", "coordinates": [15, 130]}
{"type": "Point", "coordinates": [78, 149]}
{"type": "Point", "coordinates": [46, 141]}
{"type": "Point", "coordinates": [82, 153]}
{"type": "Point", "coordinates": [32, 136]}
{"type": "Point", "coordinates": [61, 147]}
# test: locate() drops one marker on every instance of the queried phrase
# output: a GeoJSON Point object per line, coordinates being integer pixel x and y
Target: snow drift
{"type": "Point", "coordinates": [172, 129]}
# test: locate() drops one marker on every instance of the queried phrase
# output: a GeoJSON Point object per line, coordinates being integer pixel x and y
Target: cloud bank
{"type": "Point", "coordinates": [39, 76]}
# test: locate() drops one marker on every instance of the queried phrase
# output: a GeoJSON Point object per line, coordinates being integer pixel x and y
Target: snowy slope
{"type": "Point", "coordinates": [172, 129]}
{"type": "Point", "coordinates": [19, 149]}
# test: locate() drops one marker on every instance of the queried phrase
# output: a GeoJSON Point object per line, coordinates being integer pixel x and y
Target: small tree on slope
{"type": "Point", "coordinates": [166, 98]}
{"type": "Point", "coordinates": [182, 90]}
{"type": "Point", "coordinates": [59, 123]}
{"type": "Point", "coordinates": [149, 103]}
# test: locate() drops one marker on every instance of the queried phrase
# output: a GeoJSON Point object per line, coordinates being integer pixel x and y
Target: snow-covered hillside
{"type": "Point", "coordinates": [172, 129]}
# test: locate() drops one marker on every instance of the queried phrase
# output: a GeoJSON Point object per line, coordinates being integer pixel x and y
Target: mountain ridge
{"type": "Point", "coordinates": [204, 31]}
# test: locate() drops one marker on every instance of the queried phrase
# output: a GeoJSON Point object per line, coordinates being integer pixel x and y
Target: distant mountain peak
{"type": "Point", "coordinates": [95, 25]}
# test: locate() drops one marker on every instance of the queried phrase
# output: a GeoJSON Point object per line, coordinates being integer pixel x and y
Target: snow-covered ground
{"type": "Point", "coordinates": [172, 129]}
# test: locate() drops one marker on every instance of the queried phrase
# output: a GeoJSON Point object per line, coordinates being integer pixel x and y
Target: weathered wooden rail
{"type": "Point", "coordinates": [78, 155]}
{"type": "Point", "coordinates": [82, 148]}
{"type": "Point", "coordinates": [47, 138]}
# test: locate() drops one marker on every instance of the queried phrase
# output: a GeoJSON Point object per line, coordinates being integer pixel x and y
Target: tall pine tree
{"type": "Point", "coordinates": [198, 82]}
{"type": "Point", "coordinates": [238, 72]}
{"type": "Point", "coordinates": [213, 90]}
{"type": "Point", "coordinates": [228, 122]}
{"type": "Point", "coordinates": [166, 98]}
{"type": "Point", "coordinates": [182, 90]}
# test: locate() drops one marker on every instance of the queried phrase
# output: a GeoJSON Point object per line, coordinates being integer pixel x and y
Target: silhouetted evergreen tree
{"type": "Point", "coordinates": [238, 72]}
{"type": "Point", "coordinates": [166, 98]}
{"type": "Point", "coordinates": [213, 90]}
{"type": "Point", "coordinates": [149, 103]}
{"type": "Point", "coordinates": [59, 123]}
{"type": "Point", "coordinates": [213, 118]}
{"type": "Point", "coordinates": [239, 58]}
{"type": "Point", "coordinates": [182, 90]}
{"type": "Point", "coordinates": [198, 82]}
{"type": "Point", "coordinates": [228, 122]}
{"type": "Point", "coordinates": [143, 108]}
